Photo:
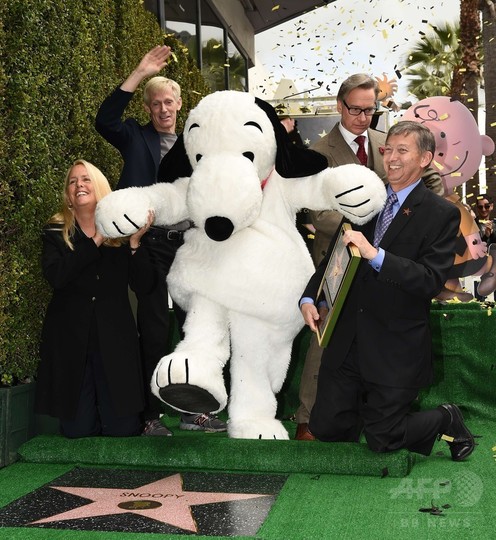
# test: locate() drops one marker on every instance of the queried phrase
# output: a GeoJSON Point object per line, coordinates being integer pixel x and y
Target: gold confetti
{"type": "Point", "coordinates": [275, 8]}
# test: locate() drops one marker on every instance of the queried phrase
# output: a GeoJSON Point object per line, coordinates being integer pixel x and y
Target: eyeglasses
{"type": "Point", "coordinates": [483, 206]}
{"type": "Point", "coordinates": [356, 111]}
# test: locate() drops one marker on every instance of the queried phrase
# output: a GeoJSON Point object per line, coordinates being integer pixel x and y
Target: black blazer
{"type": "Point", "coordinates": [387, 312]}
{"type": "Point", "coordinates": [90, 309]}
{"type": "Point", "coordinates": [139, 145]}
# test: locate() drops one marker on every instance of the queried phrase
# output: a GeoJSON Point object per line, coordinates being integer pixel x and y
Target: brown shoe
{"type": "Point", "coordinates": [487, 283]}
{"type": "Point", "coordinates": [447, 294]}
{"type": "Point", "coordinates": [303, 433]}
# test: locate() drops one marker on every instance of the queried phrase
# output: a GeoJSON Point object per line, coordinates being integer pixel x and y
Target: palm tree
{"type": "Point", "coordinates": [217, 65]}
{"type": "Point", "coordinates": [488, 9]}
{"type": "Point", "coordinates": [449, 61]}
{"type": "Point", "coordinates": [213, 64]}
{"type": "Point", "coordinates": [467, 75]}
{"type": "Point", "coordinates": [431, 62]}
{"type": "Point", "coordinates": [237, 72]}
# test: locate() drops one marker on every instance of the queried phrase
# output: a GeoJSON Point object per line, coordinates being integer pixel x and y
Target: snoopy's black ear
{"type": "Point", "coordinates": [292, 161]}
{"type": "Point", "coordinates": [175, 163]}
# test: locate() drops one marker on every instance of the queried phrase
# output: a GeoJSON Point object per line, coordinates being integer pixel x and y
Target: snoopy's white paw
{"type": "Point", "coordinates": [256, 428]}
{"type": "Point", "coordinates": [188, 382]}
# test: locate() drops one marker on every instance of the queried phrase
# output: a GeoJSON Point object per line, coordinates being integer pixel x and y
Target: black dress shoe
{"type": "Point", "coordinates": [457, 435]}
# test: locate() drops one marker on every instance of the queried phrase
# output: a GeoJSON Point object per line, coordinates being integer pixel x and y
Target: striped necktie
{"type": "Point", "coordinates": [385, 218]}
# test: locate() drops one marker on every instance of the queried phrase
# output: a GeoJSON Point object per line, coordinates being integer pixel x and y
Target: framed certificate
{"type": "Point", "coordinates": [335, 284]}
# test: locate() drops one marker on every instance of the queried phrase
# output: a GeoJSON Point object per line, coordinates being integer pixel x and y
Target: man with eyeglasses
{"type": "Point", "coordinates": [483, 208]}
{"type": "Point", "coordinates": [380, 353]}
{"type": "Point", "coordinates": [351, 140]}
{"type": "Point", "coordinates": [356, 103]}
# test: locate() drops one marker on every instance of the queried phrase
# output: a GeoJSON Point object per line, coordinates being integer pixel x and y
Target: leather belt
{"type": "Point", "coordinates": [170, 234]}
{"type": "Point", "coordinates": [174, 235]}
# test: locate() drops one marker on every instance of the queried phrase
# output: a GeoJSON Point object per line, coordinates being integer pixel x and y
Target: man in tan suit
{"type": "Point", "coordinates": [350, 141]}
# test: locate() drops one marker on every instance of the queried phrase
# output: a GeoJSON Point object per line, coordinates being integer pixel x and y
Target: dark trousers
{"type": "Point", "coordinates": [153, 313]}
{"type": "Point", "coordinates": [346, 405]}
{"type": "Point", "coordinates": [95, 413]}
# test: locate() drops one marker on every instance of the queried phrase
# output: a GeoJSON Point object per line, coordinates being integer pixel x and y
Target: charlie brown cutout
{"type": "Point", "coordinates": [459, 151]}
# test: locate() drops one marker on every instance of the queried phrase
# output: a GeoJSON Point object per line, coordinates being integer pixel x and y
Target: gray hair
{"type": "Point", "coordinates": [424, 137]}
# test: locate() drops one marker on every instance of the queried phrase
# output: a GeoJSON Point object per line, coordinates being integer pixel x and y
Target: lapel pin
{"type": "Point", "coordinates": [406, 211]}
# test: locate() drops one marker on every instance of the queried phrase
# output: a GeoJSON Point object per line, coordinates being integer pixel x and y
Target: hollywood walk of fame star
{"type": "Point", "coordinates": [163, 500]}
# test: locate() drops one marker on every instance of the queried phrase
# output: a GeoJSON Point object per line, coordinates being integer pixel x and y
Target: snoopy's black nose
{"type": "Point", "coordinates": [219, 228]}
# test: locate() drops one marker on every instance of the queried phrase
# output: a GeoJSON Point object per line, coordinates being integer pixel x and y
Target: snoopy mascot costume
{"type": "Point", "coordinates": [243, 266]}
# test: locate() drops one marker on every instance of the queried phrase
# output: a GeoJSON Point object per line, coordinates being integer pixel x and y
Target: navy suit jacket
{"type": "Point", "coordinates": [138, 145]}
{"type": "Point", "coordinates": [387, 312]}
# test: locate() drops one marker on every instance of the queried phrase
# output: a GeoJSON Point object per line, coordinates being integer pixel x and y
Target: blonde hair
{"type": "Point", "coordinates": [156, 84]}
{"type": "Point", "coordinates": [65, 216]}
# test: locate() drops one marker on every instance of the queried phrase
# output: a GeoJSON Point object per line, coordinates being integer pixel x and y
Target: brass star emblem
{"type": "Point", "coordinates": [407, 211]}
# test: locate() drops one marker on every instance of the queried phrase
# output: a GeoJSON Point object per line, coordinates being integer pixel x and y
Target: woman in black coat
{"type": "Point", "coordinates": [90, 372]}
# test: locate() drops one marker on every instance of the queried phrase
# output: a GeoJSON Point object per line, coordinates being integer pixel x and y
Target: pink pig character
{"type": "Point", "coordinates": [459, 150]}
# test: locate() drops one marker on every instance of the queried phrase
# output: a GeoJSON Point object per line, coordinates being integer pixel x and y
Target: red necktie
{"type": "Point", "coordinates": [361, 152]}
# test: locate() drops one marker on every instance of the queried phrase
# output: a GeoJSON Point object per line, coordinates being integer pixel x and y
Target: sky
{"type": "Point", "coordinates": [323, 47]}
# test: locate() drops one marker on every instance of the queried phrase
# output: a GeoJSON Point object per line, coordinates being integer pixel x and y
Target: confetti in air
{"type": "Point", "coordinates": [345, 37]}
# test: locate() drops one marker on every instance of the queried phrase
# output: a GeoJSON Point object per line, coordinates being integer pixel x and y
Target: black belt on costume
{"type": "Point", "coordinates": [166, 234]}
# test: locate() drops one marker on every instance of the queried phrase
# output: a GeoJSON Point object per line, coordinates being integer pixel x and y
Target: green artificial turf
{"type": "Point", "coordinates": [215, 451]}
{"type": "Point", "coordinates": [333, 490]}
{"type": "Point", "coordinates": [314, 506]}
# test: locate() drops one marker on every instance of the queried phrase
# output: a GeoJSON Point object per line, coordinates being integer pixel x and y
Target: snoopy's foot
{"type": "Point", "coordinates": [189, 398]}
{"type": "Point", "coordinates": [256, 428]}
{"type": "Point", "coordinates": [190, 382]}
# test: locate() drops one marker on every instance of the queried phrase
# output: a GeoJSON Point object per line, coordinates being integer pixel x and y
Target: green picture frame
{"type": "Point", "coordinates": [338, 276]}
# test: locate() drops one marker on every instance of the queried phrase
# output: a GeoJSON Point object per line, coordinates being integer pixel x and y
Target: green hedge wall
{"type": "Point", "coordinates": [58, 60]}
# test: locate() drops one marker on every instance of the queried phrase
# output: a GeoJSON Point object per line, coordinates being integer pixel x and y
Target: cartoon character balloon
{"type": "Point", "coordinates": [387, 89]}
{"type": "Point", "coordinates": [459, 150]}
